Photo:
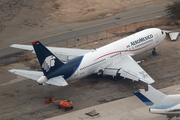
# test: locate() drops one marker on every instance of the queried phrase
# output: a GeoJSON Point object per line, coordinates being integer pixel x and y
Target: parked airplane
{"type": "Point", "coordinates": [159, 103]}
{"type": "Point", "coordinates": [113, 59]}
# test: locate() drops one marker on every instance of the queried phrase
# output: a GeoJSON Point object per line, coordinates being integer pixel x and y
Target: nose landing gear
{"type": "Point", "coordinates": [154, 52]}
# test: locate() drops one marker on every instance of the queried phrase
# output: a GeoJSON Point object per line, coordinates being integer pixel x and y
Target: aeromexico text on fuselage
{"type": "Point", "coordinates": [141, 40]}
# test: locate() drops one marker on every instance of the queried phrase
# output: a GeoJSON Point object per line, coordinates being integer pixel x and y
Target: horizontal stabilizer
{"type": "Point", "coordinates": [35, 75]}
{"type": "Point", "coordinates": [58, 81]}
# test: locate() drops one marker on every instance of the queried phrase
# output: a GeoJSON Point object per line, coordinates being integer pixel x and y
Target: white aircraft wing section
{"type": "Point", "coordinates": [58, 81]}
{"type": "Point", "coordinates": [64, 54]}
{"type": "Point", "coordinates": [24, 47]}
{"type": "Point", "coordinates": [128, 68]}
{"type": "Point", "coordinates": [35, 75]}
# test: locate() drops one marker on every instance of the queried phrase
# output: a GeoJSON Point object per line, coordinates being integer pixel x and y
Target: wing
{"type": "Point", "coordinates": [128, 68]}
{"type": "Point", "coordinates": [35, 75]}
{"type": "Point", "coordinates": [64, 54]}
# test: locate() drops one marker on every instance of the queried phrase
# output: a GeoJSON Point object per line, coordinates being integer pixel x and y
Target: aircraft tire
{"type": "Point", "coordinates": [153, 53]}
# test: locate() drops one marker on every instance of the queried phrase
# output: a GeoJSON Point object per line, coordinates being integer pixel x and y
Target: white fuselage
{"type": "Point", "coordinates": [171, 109]}
{"type": "Point", "coordinates": [98, 59]}
{"type": "Point", "coordinates": [175, 110]}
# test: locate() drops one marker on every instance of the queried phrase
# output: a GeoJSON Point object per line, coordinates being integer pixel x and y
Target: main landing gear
{"type": "Point", "coordinates": [117, 77]}
{"type": "Point", "coordinates": [154, 52]}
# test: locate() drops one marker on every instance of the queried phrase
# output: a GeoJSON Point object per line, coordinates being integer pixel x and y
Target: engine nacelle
{"type": "Point", "coordinates": [42, 80]}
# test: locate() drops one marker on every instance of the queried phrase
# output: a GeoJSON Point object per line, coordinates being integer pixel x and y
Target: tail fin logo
{"type": "Point", "coordinates": [48, 63]}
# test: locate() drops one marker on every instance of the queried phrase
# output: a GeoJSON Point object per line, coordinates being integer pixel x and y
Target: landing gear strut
{"type": "Point", "coordinates": [117, 77]}
{"type": "Point", "coordinates": [154, 52]}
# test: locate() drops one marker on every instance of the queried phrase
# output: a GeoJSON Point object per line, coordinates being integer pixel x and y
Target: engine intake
{"type": "Point", "coordinates": [42, 80]}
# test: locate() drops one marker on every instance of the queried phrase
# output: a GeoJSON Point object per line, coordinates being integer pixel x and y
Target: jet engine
{"type": "Point", "coordinates": [42, 80]}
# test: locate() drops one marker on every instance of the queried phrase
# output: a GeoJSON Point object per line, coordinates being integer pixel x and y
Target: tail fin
{"type": "Point", "coordinates": [47, 60]}
{"type": "Point", "coordinates": [154, 98]}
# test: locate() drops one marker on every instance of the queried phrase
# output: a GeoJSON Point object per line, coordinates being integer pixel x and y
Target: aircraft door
{"type": "Point", "coordinates": [157, 38]}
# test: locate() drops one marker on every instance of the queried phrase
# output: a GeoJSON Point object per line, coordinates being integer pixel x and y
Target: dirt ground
{"type": "Point", "coordinates": [86, 10]}
{"type": "Point", "coordinates": [22, 98]}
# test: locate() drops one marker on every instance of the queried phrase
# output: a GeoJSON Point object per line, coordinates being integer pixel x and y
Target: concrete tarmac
{"type": "Point", "coordinates": [130, 108]}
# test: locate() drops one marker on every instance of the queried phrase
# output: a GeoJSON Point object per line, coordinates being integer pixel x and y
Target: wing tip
{"type": "Point", "coordinates": [151, 82]}
{"type": "Point", "coordinates": [12, 71]}
{"type": "Point", "coordinates": [13, 45]}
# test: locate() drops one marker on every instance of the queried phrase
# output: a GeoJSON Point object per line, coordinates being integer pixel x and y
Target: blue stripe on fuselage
{"type": "Point", "coordinates": [77, 67]}
{"type": "Point", "coordinates": [165, 106]}
{"type": "Point", "coordinates": [68, 69]}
